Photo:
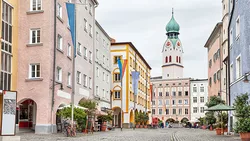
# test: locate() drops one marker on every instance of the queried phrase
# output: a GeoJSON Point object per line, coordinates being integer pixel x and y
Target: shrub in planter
{"type": "Point", "coordinates": [242, 112]}
{"type": "Point", "coordinates": [219, 128]}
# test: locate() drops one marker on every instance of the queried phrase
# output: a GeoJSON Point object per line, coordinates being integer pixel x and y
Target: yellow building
{"type": "Point", "coordinates": [9, 42]}
{"type": "Point", "coordinates": [123, 97]}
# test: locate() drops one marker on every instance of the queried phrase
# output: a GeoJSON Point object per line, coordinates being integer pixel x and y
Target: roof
{"type": "Point", "coordinates": [137, 52]}
{"type": "Point", "coordinates": [216, 29]}
{"type": "Point", "coordinates": [172, 25]}
{"type": "Point", "coordinates": [105, 33]}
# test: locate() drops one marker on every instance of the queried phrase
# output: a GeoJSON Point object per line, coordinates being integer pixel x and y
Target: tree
{"type": "Point", "coordinates": [79, 116]}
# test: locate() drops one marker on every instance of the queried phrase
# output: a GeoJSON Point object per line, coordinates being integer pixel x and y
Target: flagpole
{"type": "Point", "coordinates": [121, 103]}
{"type": "Point", "coordinates": [134, 95]}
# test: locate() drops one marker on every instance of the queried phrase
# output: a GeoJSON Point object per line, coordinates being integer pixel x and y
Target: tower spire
{"type": "Point", "coordinates": [172, 11]}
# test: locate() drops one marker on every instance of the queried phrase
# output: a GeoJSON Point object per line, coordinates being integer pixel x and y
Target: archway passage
{"type": "Point", "coordinates": [131, 117]}
{"type": "Point", "coordinates": [26, 115]}
{"type": "Point", "coordinates": [117, 117]}
{"type": "Point", "coordinates": [170, 120]}
{"type": "Point", "coordinates": [184, 120]}
{"type": "Point", "coordinates": [59, 120]}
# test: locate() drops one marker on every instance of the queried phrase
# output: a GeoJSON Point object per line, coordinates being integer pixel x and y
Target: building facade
{"type": "Point", "coordinates": [123, 96]}
{"type": "Point", "coordinates": [239, 50]}
{"type": "Point", "coordinates": [85, 41]}
{"type": "Point", "coordinates": [198, 98]}
{"type": "Point", "coordinates": [44, 64]}
{"type": "Point", "coordinates": [9, 43]}
{"type": "Point", "coordinates": [171, 94]}
{"type": "Point", "coordinates": [102, 69]}
{"type": "Point", "coordinates": [215, 62]}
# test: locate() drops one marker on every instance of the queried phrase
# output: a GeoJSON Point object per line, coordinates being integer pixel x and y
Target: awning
{"type": "Point", "coordinates": [76, 106]}
{"type": "Point", "coordinates": [98, 113]}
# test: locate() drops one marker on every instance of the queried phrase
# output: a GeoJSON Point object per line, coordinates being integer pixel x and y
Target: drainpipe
{"type": "Point", "coordinates": [54, 68]}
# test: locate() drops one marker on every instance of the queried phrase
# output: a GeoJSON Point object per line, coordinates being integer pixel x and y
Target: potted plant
{"type": "Point", "coordinates": [145, 120]}
{"type": "Point", "coordinates": [141, 119]}
{"type": "Point", "coordinates": [137, 120]}
{"type": "Point", "coordinates": [242, 113]}
{"type": "Point", "coordinates": [219, 128]}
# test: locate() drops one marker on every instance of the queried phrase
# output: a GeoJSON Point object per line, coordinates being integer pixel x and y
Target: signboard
{"type": "Point", "coordinates": [8, 113]}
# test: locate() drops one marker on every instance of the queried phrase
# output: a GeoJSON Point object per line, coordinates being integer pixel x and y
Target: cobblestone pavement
{"type": "Point", "coordinates": [172, 134]}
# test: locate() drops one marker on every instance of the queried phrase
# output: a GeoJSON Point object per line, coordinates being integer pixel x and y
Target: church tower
{"type": "Point", "coordinates": [172, 52]}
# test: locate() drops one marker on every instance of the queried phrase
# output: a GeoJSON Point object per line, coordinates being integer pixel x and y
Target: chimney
{"type": "Point", "coordinates": [113, 40]}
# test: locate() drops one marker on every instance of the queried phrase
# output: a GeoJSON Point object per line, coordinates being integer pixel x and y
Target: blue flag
{"type": "Point", "coordinates": [135, 79]}
{"type": "Point", "coordinates": [71, 17]}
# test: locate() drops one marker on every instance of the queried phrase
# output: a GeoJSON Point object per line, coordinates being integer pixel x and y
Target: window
{"type": "Point", "coordinates": [69, 79]}
{"type": "Point", "coordinates": [231, 37]}
{"type": "Point", "coordinates": [90, 31]}
{"type": "Point", "coordinates": [153, 102]}
{"type": "Point", "coordinates": [167, 102]}
{"type": "Point", "coordinates": [78, 77]}
{"type": "Point", "coordinates": [85, 53]}
{"type": "Point", "coordinates": [103, 93]}
{"type": "Point", "coordinates": [79, 49]}
{"type": "Point", "coordinates": [6, 43]}
{"type": "Point", "coordinates": [116, 58]}
{"type": "Point", "coordinates": [59, 10]}
{"type": "Point", "coordinates": [103, 59]}
{"type": "Point", "coordinates": [97, 90]}
{"type": "Point", "coordinates": [103, 76]}
{"type": "Point", "coordinates": [170, 59]}
{"type": "Point", "coordinates": [117, 77]}
{"type": "Point", "coordinates": [85, 25]}
{"type": "Point", "coordinates": [166, 60]}
{"type": "Point", "coordinates": [86, 4]}
{"type": "Point", "coordinates": [174, 111]}
{"type": "Point", "coordinates": [90, 9]}
{"type": "Point", "coordinates": [167, 111]}
{"type": "Point", "coordinates": [186, 111]}
{"type": "Point", "coordinates": [59, 42]}
{"type": "Point", "coordinates": [173, 93]}
{"type": "Point", "coordinates": [69, 51]}
{"type": "Point", "coordinates": [177, 59]}
{"type": "Point", "coordinates": [215, 78]}
{"type": "Point", "coordinates": [210, 63]}
{"type": "Point", "coordinates": [97, 54]}
{"type": "Point", "coordinates": [153, 111]}
{"type": "Point", "coordinates": [195, 109]}
{"type": "Point", "coordinates": [231, 73]}
{"type": "Point", "coordinates": [173, 102]}
{"type": "Point", "coordinates": [194, 99]}
{"type": "Point", "coordinates": [160, 102]}
{"type": "Point", "coordinates": [34, 35]}
{"type": "Point", "coordinates": [202, 110]}
{"type": "Point", "coordinates": [107, 77]}
{"type": "Point", "coordinates": [90, 82]}
{"type": "Point", "coordinates": [194, 89]}
{"type": "Point", "coordinates": [179, 101]}
{"type": "Point", "coordinates": [35, 71]}
{"type": "Point", "coordinates": [167, 93]}
{"type": "Point", "coordinates": [36, 5]}
{"type": "Point", "coordinates": [210, 81]}
{"type": "Point", "coordinates": [238, 67]}
{"type": "Point", "coordinates": [97, 36]}
{"type": "Point", "coordinates": [179, 93]}
{"type": "Point", "coordinates": [186, 102]}
{"type": "Point", "coordinates": [202, 89]}
{"type": "Point", "coordinates": [90, 56]}
{"type": "Point", "coordinates": [186, 93]}
{"type": "Point", "coordinates": [160, 111]}
{"type": "Point", "coordinates": [202, 100]}
{"type": "Point", "coordinates": [117, 94]}
{"type": "Point", "coordinates": [59, 74]}
{"type": "Point", "coordinates": [160, 93]}
{"type": "Point", "coordinates": [237, 27]}
{"type": "Point", "coordinates": [85, 80]}
{"type": "Point", "coordinates": [97, 71]}
{"type": "Point", "coordinates": [180, 111]}
{"type": "Point", "coordinates": [218, 74]}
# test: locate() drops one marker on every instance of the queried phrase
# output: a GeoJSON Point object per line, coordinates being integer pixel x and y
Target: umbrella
{"type": "Point", "coordinates": [76, 106]}
{"type": "Point", "coordinates": [220, 107]}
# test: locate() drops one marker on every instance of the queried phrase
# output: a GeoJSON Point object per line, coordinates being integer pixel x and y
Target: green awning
{"type": "Point", "coordinates": [220, 107]}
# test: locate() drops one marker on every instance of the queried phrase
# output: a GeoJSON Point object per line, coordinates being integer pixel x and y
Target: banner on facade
{"type": "Point", "coordinates": [8, 120]}
{"type": "Point", "coordinates": [135, 79]}
{"type": "Point", "coordinates": [71, 17]}
{"type": "Point", "coordinates": [122, 66]}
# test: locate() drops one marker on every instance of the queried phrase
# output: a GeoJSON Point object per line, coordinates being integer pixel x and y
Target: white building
{"type": "Point", "coordinates": [198, 98]}
{"type": "Point", "coordinates": [102, 68]}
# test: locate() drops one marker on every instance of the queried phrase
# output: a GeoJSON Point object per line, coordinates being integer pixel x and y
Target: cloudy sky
{"type": "Point", "coordinates": [143, 23]}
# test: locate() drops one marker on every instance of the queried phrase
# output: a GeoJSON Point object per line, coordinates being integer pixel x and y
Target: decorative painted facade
{"type": "Point", "coordinates": [123, 97]}
{"type": "Point", "coordinates": [198, 98]}
{"type": "Point", "coordinates": [239, 50]}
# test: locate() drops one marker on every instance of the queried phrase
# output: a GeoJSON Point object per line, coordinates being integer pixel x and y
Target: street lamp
{"type": "Point", "coordinates": [245, 78]}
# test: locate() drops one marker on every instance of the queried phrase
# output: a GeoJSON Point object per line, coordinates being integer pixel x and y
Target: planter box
{"type": "Point", "coordinates": [219, 131]}
{"type": "Point", "coordinates": [245, 136]}
{"type": "Point", "coordinates": [145, 126]}
{"type": "Point", "coordinates": [137, 126]}
{"type": "Point", "coordinates": [141, 126]}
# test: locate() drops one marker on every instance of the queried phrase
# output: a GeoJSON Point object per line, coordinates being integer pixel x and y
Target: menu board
{"type": "Point", "coordinates": [9, 113]}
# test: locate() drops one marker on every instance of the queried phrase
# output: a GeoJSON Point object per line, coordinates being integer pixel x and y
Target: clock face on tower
{"type": "Point", "coordinates": [168, 44]}
{"type": "Point", "coordinates": [178, 44]}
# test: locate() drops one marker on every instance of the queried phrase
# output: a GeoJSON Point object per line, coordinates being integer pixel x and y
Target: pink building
{"type": "Point", "coordinates": [215, 63]}
{"type": "Point", "coordinates": [44, 64]}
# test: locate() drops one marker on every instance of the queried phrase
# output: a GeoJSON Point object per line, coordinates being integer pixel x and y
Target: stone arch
{"type": "Point", "coordinates": [117, 116]}
{"type": "Point", "coordinates": [170, 120]}
{"type": "Point", "coordinates": [131, 116]}
{"type": "Point", "coordinates": [184, 120]}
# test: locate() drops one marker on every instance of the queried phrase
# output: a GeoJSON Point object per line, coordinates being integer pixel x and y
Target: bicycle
{"type": "Point", "coordinates": [68, 130]}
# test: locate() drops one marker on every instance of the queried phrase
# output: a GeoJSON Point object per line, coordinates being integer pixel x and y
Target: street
{"type": "Point", "coordinates": [170, 134]}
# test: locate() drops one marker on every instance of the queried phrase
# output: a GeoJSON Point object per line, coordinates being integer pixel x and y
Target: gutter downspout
{"type": "Point", "coordinates": [54, 68]}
